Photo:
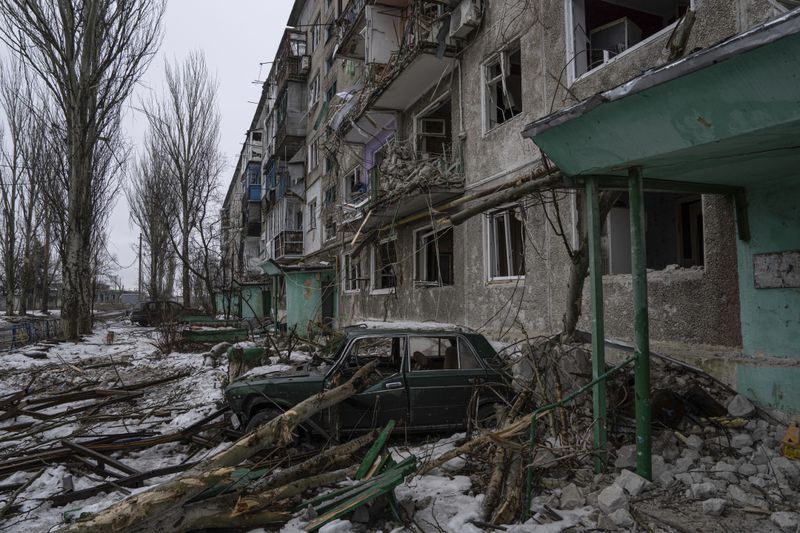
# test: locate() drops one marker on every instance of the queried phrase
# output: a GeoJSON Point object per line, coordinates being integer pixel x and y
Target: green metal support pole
{"type": "Point", "coordinates": [594, 227]}
{"type": "Point", "coordinates": [641, 334]}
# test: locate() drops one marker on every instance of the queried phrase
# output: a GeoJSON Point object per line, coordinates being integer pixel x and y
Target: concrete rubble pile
{"type": "Point", "coordinates": [717, 462]}
{"type": "Point", "coordinates": [404, 171]}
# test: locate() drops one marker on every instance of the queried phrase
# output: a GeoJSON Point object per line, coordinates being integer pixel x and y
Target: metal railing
{"type": "Point", "coordinates": [526, 504]}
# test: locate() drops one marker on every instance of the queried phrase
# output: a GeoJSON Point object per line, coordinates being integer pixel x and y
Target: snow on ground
{"type": "Point", "coordinates": [90, 364]}
{"type": "Point", "coordinates": [443, 500]}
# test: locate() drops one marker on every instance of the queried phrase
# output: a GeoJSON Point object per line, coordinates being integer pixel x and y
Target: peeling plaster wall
{"type": "Point", "coordinates": [686, 306]}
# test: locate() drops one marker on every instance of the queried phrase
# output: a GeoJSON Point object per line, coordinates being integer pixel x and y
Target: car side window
{"type": "Point", "coordinates": [388, 351]}
{"type": "Point", "coordinates": [433, 353]}
{"type": "Point", "coordinates": [467, 356]}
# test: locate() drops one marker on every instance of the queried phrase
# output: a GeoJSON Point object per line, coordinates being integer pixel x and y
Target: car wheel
{"type": "Point", "coordinates": [261, 418]}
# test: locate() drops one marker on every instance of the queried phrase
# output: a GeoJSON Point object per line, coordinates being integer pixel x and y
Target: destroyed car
{"type": "Point", "coordinates": [155, 312]}
{"type": "Point", "coordinates": [429, 380]}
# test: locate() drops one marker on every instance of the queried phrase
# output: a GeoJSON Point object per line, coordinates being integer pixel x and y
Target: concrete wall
{"type": "Point", "coordinates": [686, 305]}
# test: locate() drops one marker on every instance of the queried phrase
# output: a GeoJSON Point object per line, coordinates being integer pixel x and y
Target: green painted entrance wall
{"type": "Point", "coordinates": [304, 299]}
{"type": "Point", "coordinates": [771, 317]}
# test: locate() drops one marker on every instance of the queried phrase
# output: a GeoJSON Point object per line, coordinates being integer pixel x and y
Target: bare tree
{"type": "Point", "coordinates": [13, 173]}
{"type": "Point", "coordinates": [89, 54]}
{"type": "Point", "coordinates": [184, 126]}
{"type": "Point", "coordinates": [147, 197]}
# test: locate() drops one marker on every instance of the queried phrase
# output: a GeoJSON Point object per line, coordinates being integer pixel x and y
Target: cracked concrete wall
{"type": "Point", "coordinates": [686, 306]}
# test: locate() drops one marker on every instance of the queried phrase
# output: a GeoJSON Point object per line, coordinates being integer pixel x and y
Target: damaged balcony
{"type": "Point", "coordinates": [288, 245]}
{"type": "Point", "coordinates": [283, 229]}
{"type": "Point", "coordinates": [292, 62]}
{"type": "Point", "coordinates": [403, 182]}
{"type": "Point", "coordinates": [407, 45]}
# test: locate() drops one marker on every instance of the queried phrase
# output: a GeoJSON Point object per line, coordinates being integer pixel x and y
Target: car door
{"type": "Point", "coordinates": [443, 373]}
{"type": "Point", "coordinates": [385, 400]}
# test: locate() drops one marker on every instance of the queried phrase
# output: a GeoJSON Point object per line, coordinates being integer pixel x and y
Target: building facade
{"type": "Point", "coordinates": [401, 114]}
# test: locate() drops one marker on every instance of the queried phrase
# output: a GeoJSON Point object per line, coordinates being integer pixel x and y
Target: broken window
{"type": "Point", "coordinates": [441, 353]}
{"type": "Point", "coordinates": [388, 351]}
{"type": "Point", "coordinates": [355, 185]}
{"type": "Point", "coordinates": [384, 265]}
{"type": "Point", "coordinates": [330, 228]}
{"type": "Point", "coordinates": [602, 29]}
{"type": "Point", "coordinates": [352, 273]}
{"type": "Point", "coordinates": [674, 233]}
{"type": "Point", "coordinates": [433, 257]}
{"type": "Point", "coordinates": [313, 91]}
{"type": "Point", "coordinates": [506, 244]}
{"type": "Point", "coordinates": [330, 196]}
{"type": "Point", "coordinates": [503, 87]}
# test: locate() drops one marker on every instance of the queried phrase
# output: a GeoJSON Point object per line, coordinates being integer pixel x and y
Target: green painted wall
{"type": "Point", "coordinates": [770, 317]}
{"type": "Point", "coordinates": [304, 299]}
{"type": "Point", "coordinates": [771, 385]}
{"type": "Point", "coordinates": [252, 305]}
{"type": "Point", "coordinates": [248, 301]}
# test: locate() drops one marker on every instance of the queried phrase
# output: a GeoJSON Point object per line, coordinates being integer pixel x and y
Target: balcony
{"type": "Point", "coordinates": [288, 245]}
{"type": "Point", "coordinates": [406, 183]}
{"type": "Point", "coordinates": [292, 63]}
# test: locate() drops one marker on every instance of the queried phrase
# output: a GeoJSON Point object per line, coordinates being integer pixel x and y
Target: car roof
{"type": "Point", "coordinates": [360, 331]}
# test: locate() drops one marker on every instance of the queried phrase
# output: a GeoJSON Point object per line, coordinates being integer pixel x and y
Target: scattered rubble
{"type": "Point", "coordinates": [91, 424]}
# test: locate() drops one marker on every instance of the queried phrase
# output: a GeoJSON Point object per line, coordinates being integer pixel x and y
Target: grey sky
{"type": "Point", "coordinates": [235, 35]}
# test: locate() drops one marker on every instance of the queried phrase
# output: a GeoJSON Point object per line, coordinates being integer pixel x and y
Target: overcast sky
{"type": "Point", "coordinates": [236, 35]}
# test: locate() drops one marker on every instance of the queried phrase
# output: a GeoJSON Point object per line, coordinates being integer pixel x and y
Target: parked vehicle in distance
{"type": "Point", "coordinates": [429, 380]}
{"type": "Point", "coordinates": [154, 312]}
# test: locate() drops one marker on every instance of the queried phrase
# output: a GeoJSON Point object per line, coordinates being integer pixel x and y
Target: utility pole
{"type": "Point", "coordinates": [139, 293]}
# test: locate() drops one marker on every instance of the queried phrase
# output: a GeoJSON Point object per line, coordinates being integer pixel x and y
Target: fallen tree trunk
{"type": "Point", "coordinates": [325, 460]}
{"type": "Point", "coordinates": [136, 512]}
{"type": "Point", "coordinates": [226, 512]}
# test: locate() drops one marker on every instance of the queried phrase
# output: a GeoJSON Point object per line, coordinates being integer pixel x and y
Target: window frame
{"type": "Point", "coordinates": [489, 229]}
{"type": "Point", "coordinates": [313, 91]}
{"type": "Point", "coordinates": [374, 263]}
{"type": "Point", "coordinates": [313, 155]}
{"type": "Point", "coordinates": [423, 252]}
{"type": "Point", "coordinates": [347, 185]}
{"type": "Point", "coordinates": [351, 285]}
{"type": "Point", "coordinates": [460, 340]}
{"type": "Point", "coordinates": [501, 56]}
{"type": "Point", "coordinates": [312, 215]}
{"type": "Point", "coordinates": [569, 33]}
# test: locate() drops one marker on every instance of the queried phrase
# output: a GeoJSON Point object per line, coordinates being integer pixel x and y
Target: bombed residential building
{"type": "Point", "coordinates": [467, 161]}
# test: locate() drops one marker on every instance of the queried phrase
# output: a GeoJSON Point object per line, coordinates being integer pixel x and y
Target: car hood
{"type": "Point", "coordinates": [279, 373]}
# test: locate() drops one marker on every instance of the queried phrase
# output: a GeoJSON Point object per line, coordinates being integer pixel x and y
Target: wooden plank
{"type": "Point", "coordinates": [99, 457]}
{"type": "Point", "coordinates": [385, 484]}
{"type": "Point", "coordinates": [375, 449]}
{"type": "Point", "coordinates": [65, 498]}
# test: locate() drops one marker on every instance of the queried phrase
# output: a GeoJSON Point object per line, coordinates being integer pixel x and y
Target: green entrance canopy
{"type": "Point", "coordinates": [727, 115]}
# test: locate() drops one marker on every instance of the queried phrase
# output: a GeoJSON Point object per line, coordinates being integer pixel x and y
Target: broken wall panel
{"type": "Point", "coordinates": [777, 270]}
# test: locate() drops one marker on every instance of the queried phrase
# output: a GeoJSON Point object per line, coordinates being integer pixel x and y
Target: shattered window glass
{"type": "Point", "coordinates": [385, 261]}
{"type": "Point", "coordinates": [503, 76]}
{"type": "Point", "coordinates": [506, 244]}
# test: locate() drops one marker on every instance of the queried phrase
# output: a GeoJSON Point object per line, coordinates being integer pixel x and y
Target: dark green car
{"type": "Point", "coordinates": [430, 380]}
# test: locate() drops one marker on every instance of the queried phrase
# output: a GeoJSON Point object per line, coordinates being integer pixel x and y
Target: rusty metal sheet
{"type": "Point", "coordinates": [777, 270]}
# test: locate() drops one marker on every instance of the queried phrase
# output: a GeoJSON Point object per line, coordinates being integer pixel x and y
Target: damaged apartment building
{"type": "Point", "coordinates": [421, 160]}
